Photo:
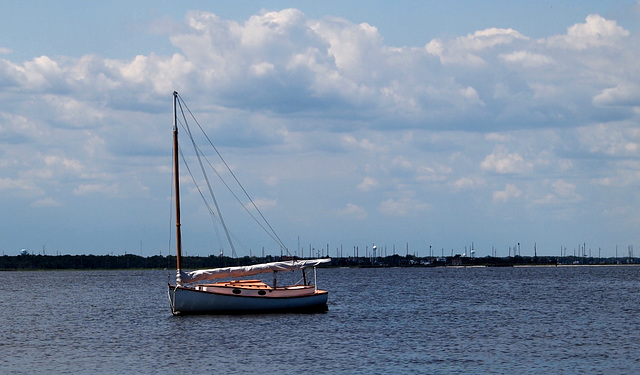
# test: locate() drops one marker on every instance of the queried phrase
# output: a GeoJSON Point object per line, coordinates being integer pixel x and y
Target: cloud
{"type": "Point", "coordinates": [54, 167]}
{"type": "Point", "coordinates": [353, 210]}
{"type": "Point", "coordinates": [352, 46]}
{"type": "Point", "coordinates": [595, 32]}
{"type": "Point", "coordinates": [72, 112]}
{"type": "Point", "coordinates": [613, 140]}
{"type": "Point", "coordinates": [350, 141]}
{"type": "Point", "coordinates": [497, 137]}
{"type": "Point", "coordinates": [19, 187]}
{"type": "Point", "coordinates": [325, 107]}
{"type": "Point", "coordinates": [263, 203]}
{"type": "Point", "coordinates": [562, 192]}
{"type": "Point", "coordinates": [16, 128]}
{"type": "Point", "coordinates": [464, 183]}
{"type": "Point", "coordinates": [503, 162]}
{"type": "Point", "coordinates": [467, 50]}
{"type": "Point", "coordinates": [435, 173]}
{"type": "Point", "coordinates": [99, 188]}
{"type": "Point", "coordinates": [283, 62]}
{"type": "Point", "coordinates": [46, 202]}
{"type": "Point", "coordinates": [566, 190]}
{"type": "Point", "coordinates": [42, 74]}
{"type": "Point", "coordinates": [509, 193]}
{"type": "Point", "coordinates": [624, 94]}
{"type": "Point", "coordinates": [272, 180]}
{"type": "Point", "coordinates": [367, 183]}
{"type": "Point", "coordinates": [623, 174]}
{"type": "Point", "coordinates": [402, 207]}
{"type": "Point", "coordinates": [527, 59]}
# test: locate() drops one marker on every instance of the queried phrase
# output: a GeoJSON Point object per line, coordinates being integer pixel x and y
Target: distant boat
{"type": "Point", "coordinates": [190, 296]}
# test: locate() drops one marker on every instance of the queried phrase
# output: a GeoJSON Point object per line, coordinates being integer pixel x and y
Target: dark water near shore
{"type": "Point", "coordinates": [535, 320]}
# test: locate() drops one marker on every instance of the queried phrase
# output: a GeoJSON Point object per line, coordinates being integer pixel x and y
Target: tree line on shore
{"type": "Point", "coordinates": [132, 261]}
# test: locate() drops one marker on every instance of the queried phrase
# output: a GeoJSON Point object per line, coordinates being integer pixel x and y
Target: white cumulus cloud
{"type": "Point", "coordinates": [502, 161]}
{"type": "Point", "coordinates": [595, 32]}
{"type": "Point", "coordinates": [509, 193]}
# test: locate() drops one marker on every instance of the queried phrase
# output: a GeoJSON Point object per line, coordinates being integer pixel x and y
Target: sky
{"type": "Point", "coordinates": [421, 127]}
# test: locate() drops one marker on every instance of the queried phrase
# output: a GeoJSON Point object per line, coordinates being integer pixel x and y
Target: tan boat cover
{"type": "Point", "coordinates": [218, 273]}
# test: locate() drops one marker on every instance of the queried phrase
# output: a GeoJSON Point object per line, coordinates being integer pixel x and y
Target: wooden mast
{"type": "Point", "coordinates": [177, 185]}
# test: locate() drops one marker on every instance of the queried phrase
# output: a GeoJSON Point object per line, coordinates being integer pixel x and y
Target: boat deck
{"type": "Point", "coordinates": [248, 284]}
{"type": "Point", "coordinates": [256, 288]}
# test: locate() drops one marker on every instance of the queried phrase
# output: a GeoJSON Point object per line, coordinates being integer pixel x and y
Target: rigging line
{"type": "Point", "coordinates": [206, 202]}
{"type": "Point", "coordinates": [213, 216]}
{"type": "Point", "coordinates": [206, 177]}
{"type": "Point", "coordinates": [269, 233]}
{"type": "Point", "coordinates": [233, 174]}
{"type": "Point", "coordinates": [195, 183]}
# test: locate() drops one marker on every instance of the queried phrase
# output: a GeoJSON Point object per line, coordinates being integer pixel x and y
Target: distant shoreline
{"type": "Point", "coordinates": [131, 261]}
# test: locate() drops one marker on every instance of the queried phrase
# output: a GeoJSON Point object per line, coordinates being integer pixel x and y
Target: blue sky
{"type": "Point", "coordinates": [351, 123]}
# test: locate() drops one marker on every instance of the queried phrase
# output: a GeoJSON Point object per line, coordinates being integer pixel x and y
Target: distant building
{"type": "Point", "coordinates": [457, 260]}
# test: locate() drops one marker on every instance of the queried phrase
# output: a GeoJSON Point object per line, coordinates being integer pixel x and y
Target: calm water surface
{"type": "Point", "coordinates": [564, 320]}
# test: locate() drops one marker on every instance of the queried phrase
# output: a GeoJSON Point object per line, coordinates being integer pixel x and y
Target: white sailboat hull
{"type": "Point", "coordinates": [189, 296]}
{"type": "Point", "coordinates": [189, 300]}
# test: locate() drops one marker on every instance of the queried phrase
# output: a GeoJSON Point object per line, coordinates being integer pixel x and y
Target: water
{"type": "Point", "coordinates": [564, 320]}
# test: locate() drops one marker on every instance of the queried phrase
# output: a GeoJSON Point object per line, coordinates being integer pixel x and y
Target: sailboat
{"type": "Point", "coordinates": [194, 293]}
